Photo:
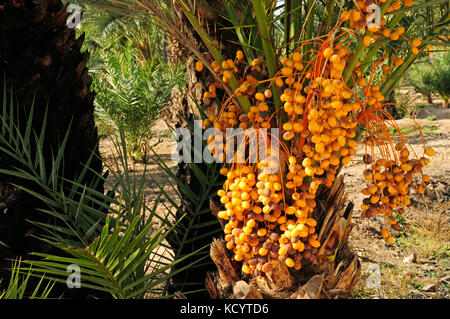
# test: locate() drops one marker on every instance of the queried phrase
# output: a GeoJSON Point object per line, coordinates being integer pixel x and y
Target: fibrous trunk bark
{"type": "Point", "coordinates": [333, 274]}
{"type": "Point", "coordinates": [40, 61]}
{"type": "Point", "coordinates": [184, 108]}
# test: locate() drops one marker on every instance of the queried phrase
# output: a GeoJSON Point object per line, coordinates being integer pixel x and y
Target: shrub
{"type": "Point", "coordinates": [132, 93]}
{"type": "Point", "coordinates": [432, 76]}
{"type": "Point", "coordinates": [438, 80]}
{"type": "Point", "coordinates": [131, 80]}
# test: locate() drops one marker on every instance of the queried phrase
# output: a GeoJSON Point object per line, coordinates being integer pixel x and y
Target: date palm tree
{"type": "Point", "coordinates": [41, 66]}
{"type": "Point", "coordinates": [264, 31]}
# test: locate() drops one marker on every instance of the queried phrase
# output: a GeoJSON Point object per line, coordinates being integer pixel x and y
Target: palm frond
{"type": "Point", "coordinates": [125, 252]}
{"type": "Point", "coordinates": [18, 285]}
{"type": "Point", "coordinates": [120, 261]}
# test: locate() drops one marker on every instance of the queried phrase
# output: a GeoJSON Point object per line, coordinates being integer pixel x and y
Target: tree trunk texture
{"type": "Point", "coordinates": [40, 60]}
{"type": "Point", "coordinates": [426, 95]}
{"type": "Point", "coordinates": [183, 104]}
{"type": "Point", "coordinates": [333, 274]}
{"type": "Point", "coordinates": [391, 108]}
{"type": "Point", "coordinates": [184, 108]}
{"type": "Point", "coordinates": [445, 100]}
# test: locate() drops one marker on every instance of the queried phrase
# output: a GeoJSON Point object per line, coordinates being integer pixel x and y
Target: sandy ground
{"type": "Point", "coordinates": [417, 264]}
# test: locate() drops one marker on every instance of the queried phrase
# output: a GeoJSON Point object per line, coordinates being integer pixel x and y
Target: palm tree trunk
{"type": "Point", "coordinates": [40, 60]}
{"type": "Point", "coordinates": [184, 108]}
{"type": "Point", "coordinates": [445, 100]}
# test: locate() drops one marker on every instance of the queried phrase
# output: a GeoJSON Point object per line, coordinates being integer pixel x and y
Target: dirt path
{"type": "Point", "coordinates": [154, 178]}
